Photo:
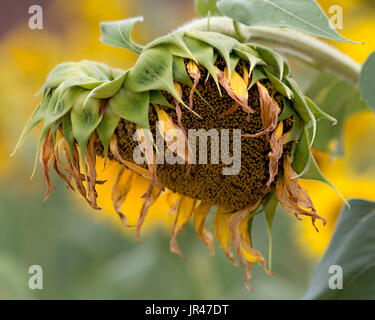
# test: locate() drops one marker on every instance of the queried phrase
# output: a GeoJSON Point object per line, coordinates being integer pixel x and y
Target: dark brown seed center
{"type": "Point", "coordinates": [206, 181]}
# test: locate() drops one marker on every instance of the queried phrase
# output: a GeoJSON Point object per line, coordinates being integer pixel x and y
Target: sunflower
{"type": "Point", "coordinates": [153, 121]}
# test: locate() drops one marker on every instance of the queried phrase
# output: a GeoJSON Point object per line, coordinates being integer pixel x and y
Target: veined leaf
{"type": "Point", "coordinates": [352, 248]}
{"type": "Point", "coordinates": [302, 15]}
{"type": "Point", "coordinates": [367, 81]}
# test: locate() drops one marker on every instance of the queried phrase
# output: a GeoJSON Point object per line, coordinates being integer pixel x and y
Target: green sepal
{"type": "Point", "coordinates": [84, 122]}
{"type": "Point", "coordinates": [297, 129]}
{"type": "Point", "coordinates": [179, 72]}
{"type": "Point", "coordinates": [107, 127]}
{"type": "Point", "coordinates": [305, 165]}
{"type": "Point", "coordinates": [223, 44]}
{"type": "Point", "coordinates": [58, 107]}
{"type": "Point", "coordinates": [108, 88]}
{"type": "Point", "coordinates": [153, 71]}
{"type": "Point", "coordinates": [36, 117]}
{"type": "Point", "coordinates": [274, 61]}
{"type": "Point", "coordinates": [68, 133]}
{"type": "Point", "coordinates": [118, 34]}
{"type": "Point", "coordinates": [55, 128]}
{"type": "Point", "coordinates": [132, 106]}
{"type": "Point", "coordinates": [279, 85]}
{"type": "Point", "coordinates": [249, 54]}
{"type": "Point", "coordinates": [233, 62]}
{"type": "Point", "coordinates": [300, 105]}
{"type": "Point", "coordinates": [287, 110]}
{"type": "Point", "coordinates": [205, 56]}
{"type": "Point", "coordinates": [175, 43]}
{"type": "Point", "coordinates": [156, 97]}
{"type": "Point", "coordinates": [256, 76]}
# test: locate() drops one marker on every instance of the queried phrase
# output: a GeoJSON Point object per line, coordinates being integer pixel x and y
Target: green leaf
{"type": "Point", "coordinates": [367, 81]}
{"type": "Point", "coordinates": [338, 98]}
{"type": "Point", "coordinates": [302, 15]}
{"type": "Point", "coordinates": [202, 7]}
{"type": "Point", "coordinates": [352, 247]}
{"type": "Point", "coordinates": [132, 106]}
{"type": "Point", "coordinates": [118, 34]}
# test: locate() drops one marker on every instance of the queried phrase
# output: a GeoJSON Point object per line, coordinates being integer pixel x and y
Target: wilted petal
{"type": "Point", "coordinates": [223, 234]}
{"type": "Point", "coordinates": [247, 255]}
{"type": "Point", "coordinates": [236, 89]}
{"type": "Point", "coordinates": [277, 146]}
{"type": "Point", "coordinates": [194, 72]}
{"type": "Point", "coordinates": [46, 154]}
{"type": "Point", "coordinates": [121, 188]}
{"type": "Point", "coordinates": [269, 112]}
{"type": "Point", "coordinates": [169, 131]}
{"type": "Point", "coordinates": [148, 200]}
{"type": "Point", "coordinates": [293, 197]}
{"type": "Point", "coordinates": [113, 146]}
{"type": "Point", "coordinates": [184, 212]}
{"type": "Point", "coordinates": [200, 214]}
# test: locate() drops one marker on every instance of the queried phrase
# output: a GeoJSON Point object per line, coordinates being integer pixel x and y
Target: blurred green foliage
{"type": "Point", "coordinates": [87, 258]}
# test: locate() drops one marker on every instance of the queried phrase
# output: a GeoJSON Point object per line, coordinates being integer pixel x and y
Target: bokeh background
{"type": "Point", "coordinates": [88, 255]}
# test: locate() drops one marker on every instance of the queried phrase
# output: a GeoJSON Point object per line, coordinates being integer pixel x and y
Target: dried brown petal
{"type": "Point", "coordinates": [120, 190]}
{"type": "Point", "coordinates": [269, 112]}
{"type": "Point", "coordinates": [293, 197]}
{"type": "Point", "coordinates": [200, 214]}
{"type": "Point", "coordinates": [185, 210]}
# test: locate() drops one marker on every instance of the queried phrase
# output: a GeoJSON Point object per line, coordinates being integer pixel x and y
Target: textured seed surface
{"type": "Point", "coordinates": [206, 181]}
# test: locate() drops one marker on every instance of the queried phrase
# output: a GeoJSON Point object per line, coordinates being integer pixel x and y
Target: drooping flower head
{"type": "Point", "coordinates": [219, 123]}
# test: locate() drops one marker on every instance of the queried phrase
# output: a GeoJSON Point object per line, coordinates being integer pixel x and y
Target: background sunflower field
{"type": "Point", "coordinates": [88, 255]}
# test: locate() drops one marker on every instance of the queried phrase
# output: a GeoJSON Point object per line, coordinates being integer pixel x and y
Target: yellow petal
{"type": "Point", "coordinates": [184, 212]}
{"type": "Point", "coordinates": [192, 67]}
{"type": "Point", "coordinates": [199, 217]}
{"type": "Point", "coordinates": [237, 84]}
{"type": "Point", "coordinates": [223, 234]}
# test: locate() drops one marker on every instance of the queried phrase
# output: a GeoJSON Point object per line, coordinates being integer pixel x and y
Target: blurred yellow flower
{"type": "Point", "coordinates": [131, 207]}
{"type": "Point", "coordinates": [353, 175]}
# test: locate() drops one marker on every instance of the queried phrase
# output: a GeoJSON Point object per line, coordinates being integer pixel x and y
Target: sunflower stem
{"type": "Point", "coordinates": [309, 49]}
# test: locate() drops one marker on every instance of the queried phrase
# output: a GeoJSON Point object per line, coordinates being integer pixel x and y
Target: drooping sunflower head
{"type": "Point", "coordinates": [218, 122]}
